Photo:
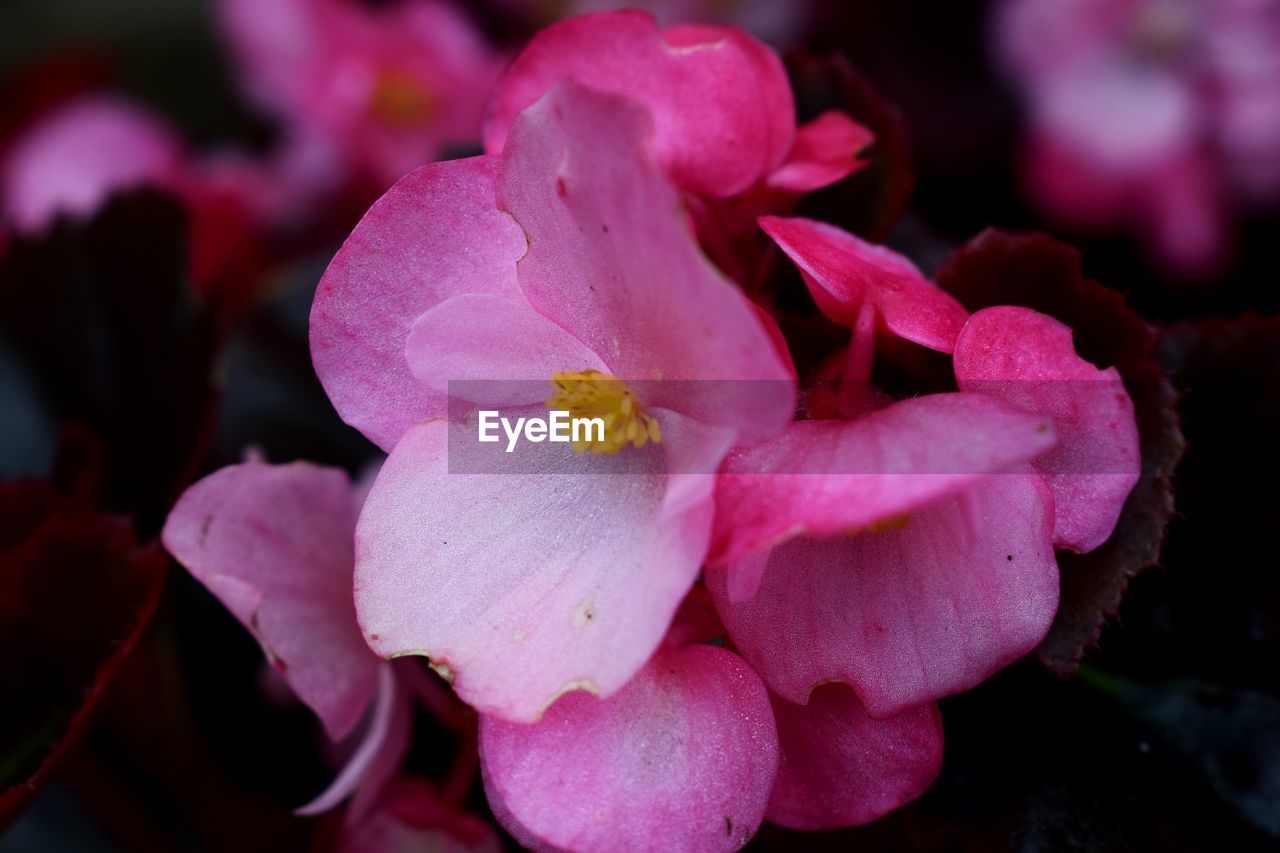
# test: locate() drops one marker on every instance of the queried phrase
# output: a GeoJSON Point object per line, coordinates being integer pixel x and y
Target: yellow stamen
{"type": "Point", "coordinates": [884, 525]}
{"type": "Point", "coordinates": [592, 394]}
{"type": "Point", "coordinates": [402, 100]}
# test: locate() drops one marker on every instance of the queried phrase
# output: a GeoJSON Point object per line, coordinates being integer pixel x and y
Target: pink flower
{"type": "Point", "coordinates": [565, 258]}
{"type": "Point", "coordinates": [374, 93]}
{"type": "Point", "coordinates": [858, 569]}
{"type": "Point", "coordinates": [72, 160]}
{"type": "Point", "coordinates": [1158, 115]}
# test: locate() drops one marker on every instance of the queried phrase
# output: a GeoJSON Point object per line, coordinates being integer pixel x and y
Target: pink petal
{"type": "Point", "coordinates": [435, 234]}
{"type": "Point", "coordinates": [495, 350]}
{"type": "Point", "coordinates": [826, 150]}
{"type": "Point", "coordinates": [828, 477]}
{"type": "Point", "coordinates": [682, 758]}
{"type": "Point", "coordinates": [321, 66]}
{"type": "Point", "coordinates": [275, 43]}
{"type": "Point", "coordinates": [844, 271]}
{"type": "Point", "coordinates": [723, 115]}
{"type": "Point", "coordinates": [274, 544]}
{"type": "Point", "coordinates": [71, 161]}
{"type": "Point", "coordinates": [612, 261]}
{"type": "Point", "coordinates": [907, 615]}
{"type": "Point", "coordinates": [1027, 359]}
{"type": "Point", "coordinates": [376, 758]}
{"type": "Point", "coordinates": [521, 587]}
{"type": "Point", "coordinates": [838, 766]}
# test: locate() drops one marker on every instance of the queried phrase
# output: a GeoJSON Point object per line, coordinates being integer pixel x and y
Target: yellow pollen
{"type": "Point", "coordinates": [884, 525]}
{"type": "Point", "coordinates": [592, 394]}
{"type": "Point", "coordinates": [401, 100]}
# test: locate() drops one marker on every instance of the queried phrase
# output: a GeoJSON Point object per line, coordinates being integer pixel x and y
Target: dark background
{"type": "Point", "coordinates": [1167, 739]}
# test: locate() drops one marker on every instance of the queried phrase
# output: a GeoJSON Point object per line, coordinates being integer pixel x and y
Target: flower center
{"type": "Point", "coordinates": [592, 394]}
{"type": "Point", "coordinates": [401, 100]}
{"type": "Point", "coordinates": [884, 525]}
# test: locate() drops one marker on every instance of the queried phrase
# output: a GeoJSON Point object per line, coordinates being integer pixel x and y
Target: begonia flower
{"type": "Point", "coordinates": [564, 259]}
{"type": "Point", "coordinates": [855, 570]}
{"type": "Point", "coordinates": [1154, 115]}
{"type": "Point", "coordinates": [370, 92]}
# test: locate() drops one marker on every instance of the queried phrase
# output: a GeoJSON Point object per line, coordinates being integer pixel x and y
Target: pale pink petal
{"type": "Point", "coordinates": [682, 758]}
{"type": "Point", "coordinates": [274, 544]}
{"type": "Point", "coordinates": [844, 272]}
{"type": "Point", "coordinates": [435, 234]}
{"type": "Point", "coordinates": [376, 758]}
{"type": "Point", "coordinates": [523, 586]}
{"type": "Point", "coordinates": [1027, 359]}
{"type": "Point", "coordinates": [612, 261]}
{"type": "Point", "coordinates": [494, 349]}
{"type": "Point", "coordinates": [723, 115]}
{"type": "Point", "coordinates": [71, 161]}
{"type": "Point", "coordinates": [826, 150]}
{"type": "Point", "coordinates": [910, 614]}
{"type": "Point", "coordinates": [829, 477]}
{"type": "Point", "coordinates": [838, 766]}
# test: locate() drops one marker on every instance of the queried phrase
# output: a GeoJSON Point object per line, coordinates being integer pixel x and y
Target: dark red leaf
{"type": "Point", "coordinates": [102, 317]}
{"type": "Point", "coordinates": [76, 592]}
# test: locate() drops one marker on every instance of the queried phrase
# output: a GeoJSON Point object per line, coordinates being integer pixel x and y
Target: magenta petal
{"type": "Point", "coordinates": [274, 544]}
{"type": "Point", "coordinates": [843, 272]}
{"type": "Point", "coordinates": [611, 260]}
{"type": "Point", "coordinates": [723, 115]}
{"type": "Point", "coordinates": [1027, 359]}
{"type": "Point", "coordinates": [71, 161]}
{"type": "Point", "coordinates": [477, 336]}
{"type": "Point", "coordinates": [522, 587]}
{"type": "Point", "coordinates": [838, 766]}
{"type": "Point", "coordinates": [829, 477]}
{"type": "Point", "coordinates": [826, 150]}
{"type": "Point", "coordinates": [909, 615]}
{"type": "Point", "coordinates": [682, 758]}
{"type": "Point", "coordinates": [437, 233]}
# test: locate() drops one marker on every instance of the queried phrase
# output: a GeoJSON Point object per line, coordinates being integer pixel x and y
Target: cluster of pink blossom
{"type": "Point", "coordinates": [1158, 115]}
{"type": "Point", "coordinates": [749, 610]}
{"type": "Point", "coordinates": [359, 96]}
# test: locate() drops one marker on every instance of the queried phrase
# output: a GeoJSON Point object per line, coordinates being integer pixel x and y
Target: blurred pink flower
{"type": "Point", "coordinates": [72, 160]}
{"type": "Point", "coordinates": [360, 91]}
{"type": "Point", "coordinates": [1158, 115]}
